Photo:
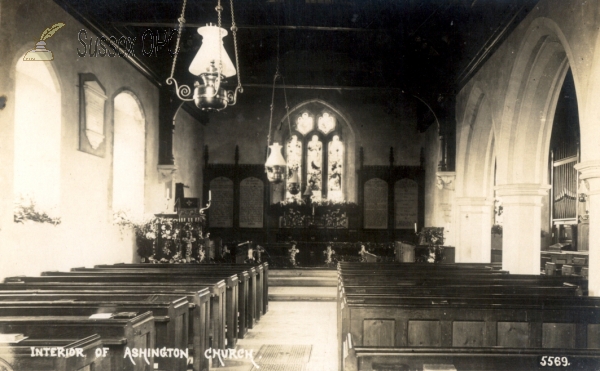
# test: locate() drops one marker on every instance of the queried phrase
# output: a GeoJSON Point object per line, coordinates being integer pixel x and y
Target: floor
{"type": "Point", "coordinates": [291, 324]}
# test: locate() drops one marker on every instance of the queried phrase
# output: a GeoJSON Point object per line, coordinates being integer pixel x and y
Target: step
{"type": "Point", "coordinates": [332, 273]}
{"type": "Point", "coordinates": [302, 293]}
{"type": "Point", "coordinates": [302, 281]}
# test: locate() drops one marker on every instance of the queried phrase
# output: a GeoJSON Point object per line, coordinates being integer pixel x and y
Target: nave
{"type": "Point", "coordinates": [386, 316]}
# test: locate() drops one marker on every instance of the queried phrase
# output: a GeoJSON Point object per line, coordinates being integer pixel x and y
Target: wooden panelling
{"type": "Point", "coordinates": [467, 333]}
{"type": "Point", "coordinates": [513, 334]}
{"type": "Point", "coordinates": [378, 332]}
{"type": "Point", "coordinates": [593, 336]}
{"type": "Point", "coordinates": [558, 335]}
{"type": "Point", "coordinates": [424, 333]}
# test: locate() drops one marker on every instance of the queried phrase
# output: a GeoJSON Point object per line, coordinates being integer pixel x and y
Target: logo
{"type": "Point", "coordinates": [40, 53]}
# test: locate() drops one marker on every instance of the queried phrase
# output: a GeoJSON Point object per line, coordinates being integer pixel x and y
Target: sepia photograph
{"type": "Point", "coordinates": [299, 185]}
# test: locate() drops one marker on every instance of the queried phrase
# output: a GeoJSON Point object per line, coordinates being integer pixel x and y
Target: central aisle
{"type": "Point", "coordinates": [304, 336]}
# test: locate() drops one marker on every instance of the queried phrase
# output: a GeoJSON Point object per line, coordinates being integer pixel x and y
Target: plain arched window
{"type": "Point", "coordinates": [128, 156]}
{"type": "Point", "coordinates": [37, 137]}
{"type": "Point", "coordinates": [317, 153]}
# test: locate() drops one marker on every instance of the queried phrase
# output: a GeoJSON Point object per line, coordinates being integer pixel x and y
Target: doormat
{"type": "Point", "coordinates": [285, 357]}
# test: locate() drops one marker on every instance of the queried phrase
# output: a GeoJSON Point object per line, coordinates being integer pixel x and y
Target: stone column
{"type": "Point", "coordinates": [521, 226]}
{"type": "Point", "coordinates": [444, 201]}
{"type": "Point", "coordinates": [590, 174]}
{"type": "Point", "coordinates": [473, 230]}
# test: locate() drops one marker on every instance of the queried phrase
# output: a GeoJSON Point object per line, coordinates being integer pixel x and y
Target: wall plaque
{"type": "Point", "coordinates": [221, 207]}
{"type": "Point", "coordinates": [406, 203]}
{"type": "Point", "coordinates": [376, 204]}
{"type": "Point", "coordinates": [92, 102]}
{"type": "Point", "coordinates": [252, 191]}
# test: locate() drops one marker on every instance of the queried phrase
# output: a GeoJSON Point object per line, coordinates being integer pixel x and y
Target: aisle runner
{"type": "Point", "coordinates": [283, 357]}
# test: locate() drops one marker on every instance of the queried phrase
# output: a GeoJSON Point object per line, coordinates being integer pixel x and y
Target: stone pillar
{"type": "Point", "coordinates": [473, 230]}
{"type": "Point", "coordinates": [590, 174]}
{"type": "Point", "coordinates": [445, 200]}
{"type": "Point", "coordinates": [521, 228]}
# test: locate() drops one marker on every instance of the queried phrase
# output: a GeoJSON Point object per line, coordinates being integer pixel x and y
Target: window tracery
{"type": "Point", "coordinates": [318, 154]}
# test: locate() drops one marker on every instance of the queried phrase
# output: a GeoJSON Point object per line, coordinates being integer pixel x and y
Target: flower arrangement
{"type": "Point", "coordinates": [26, 210]}
{"type": "Point", "coordinates": [167, 240]}
{"type": "Point", "coordinates": [432, 238]}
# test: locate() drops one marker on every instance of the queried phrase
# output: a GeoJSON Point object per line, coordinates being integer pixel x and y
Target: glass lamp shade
{"type": "Point", "coordinates": [275, 165]}
{"type": "Point", "coordinates": [211, 51]}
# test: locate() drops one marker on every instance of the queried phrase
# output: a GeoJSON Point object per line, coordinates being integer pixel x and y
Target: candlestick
{"type": "Point", "coordinates": [415, 227]}
{"type": "Point", "coordinates": [209, 195]}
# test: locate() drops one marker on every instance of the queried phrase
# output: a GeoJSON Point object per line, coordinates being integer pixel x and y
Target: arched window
{"type": "Point", "coordinates": [318, 155]}
{"type": "Point", "coordinates": [37, 137]}
{"type": "Point", "coordinates": [128, 156]}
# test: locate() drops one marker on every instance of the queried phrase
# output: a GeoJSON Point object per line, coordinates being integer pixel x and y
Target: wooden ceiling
{"type": "Point", "coordinates": [428, 48]}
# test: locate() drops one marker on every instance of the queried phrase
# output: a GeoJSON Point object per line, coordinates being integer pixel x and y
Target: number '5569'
{"type": "Point", "coordinates": [554, 361]}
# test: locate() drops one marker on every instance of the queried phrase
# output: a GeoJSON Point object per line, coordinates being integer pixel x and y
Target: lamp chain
{"type": "Point", "coordinates": [181, 23]}
{"type": "Point", "coordinates": [219, 9]}
{"type": "Point", "coordinates": [237, 62]}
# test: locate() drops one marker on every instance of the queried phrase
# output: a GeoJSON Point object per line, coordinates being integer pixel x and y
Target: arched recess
{"type": "Point", "coordinates": [129, 154]}
{"type": "Point", "coordinates": [344, 130]}
{"type": "Point", "coordinates": [38, 122]}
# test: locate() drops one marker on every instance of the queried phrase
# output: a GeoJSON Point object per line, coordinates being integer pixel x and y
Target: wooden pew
{"type": "Point", "coordinates": [246, 279]}
{"type": "Point", "coordinates": [116, 334]}
{"type": "Point", "coordinates": [206, 319]}
{"type": "Point", "coordinates": [261, 268]}
{"type": "Point", "coordinates": [569, 323]}
{"type": "Point", "coordinates": [399, 320]}
{"type": "Point", "coordinates": [170, 319]}
{"type": "Point", "coordinates": [461, 290]}
{"type": "Point", "coordinates": [17, 356]}
{"type": "Point", "coordinates": [229, 308]}
{"type": "Point", "coordinates": [364, 358]}
{"type": "Point", "coordinates": [418, 280]}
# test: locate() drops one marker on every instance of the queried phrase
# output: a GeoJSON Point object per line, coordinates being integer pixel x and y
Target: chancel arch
{"type": "Point", "coordinates": [322, 146]}
{"type": "Point", "coordinates": [129, 153]}
{"type": "Point", "coordinates": [38, 121]}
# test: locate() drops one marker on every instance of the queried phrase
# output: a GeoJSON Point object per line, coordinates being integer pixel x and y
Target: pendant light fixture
{"type": "Point", "coordinates": [275, 166]}
{"type": "Point", "coordinates": [212, 64]}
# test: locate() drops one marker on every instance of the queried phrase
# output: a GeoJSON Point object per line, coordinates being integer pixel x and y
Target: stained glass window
{"type": "Point", "coordinates": [294, 162]}
{"type": "Point", "coordinates": [317, 152]}
{"type": "Point", "coordinates": [305, 123]}
{"type": "Point", "coordinates": [335, 169]}
{"type": "Point", "coordinates": [314, 164]}
{"type": "Point", "coordinates": [326, 123]}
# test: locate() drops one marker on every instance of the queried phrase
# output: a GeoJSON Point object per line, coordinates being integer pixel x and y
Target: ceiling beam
{"type": "Point", "coordinates": [320, 87]}
{"type": "Point", "coordinates": [266, 27]}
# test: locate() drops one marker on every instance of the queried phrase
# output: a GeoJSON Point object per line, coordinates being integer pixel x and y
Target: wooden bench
{"type": "Point", "coordinates": [262, 270]}
{"type": "Point", "coordinates": [17, 356]}
{"type": "Point", "coordinates": [461, 290]}
{"type": "Point", "coordinates": [116, 334]}
{"type": "Point", "coordinates": [403, 321]}
{"type": "Point", "coordinates": [365, 358]}
{"type": "Point", "coordinates": [206, 319]}
{"type": "Point", "coordinates": [170, 319]}
{"type": "Point", "coordinates": [246, 278]}
{"type": "Point", "coordinates": [229, 308]}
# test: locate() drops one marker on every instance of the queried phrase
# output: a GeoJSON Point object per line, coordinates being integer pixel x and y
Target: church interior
{"type": "Point", "coordinates": [299, 185]}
